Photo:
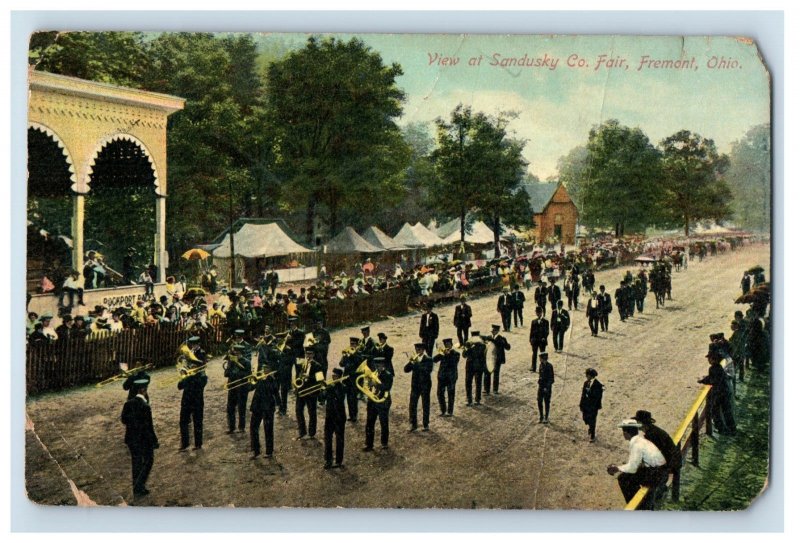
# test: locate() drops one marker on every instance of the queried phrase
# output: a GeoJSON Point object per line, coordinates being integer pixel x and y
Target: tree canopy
{"type": "Point", "coordinates": [749, 178]}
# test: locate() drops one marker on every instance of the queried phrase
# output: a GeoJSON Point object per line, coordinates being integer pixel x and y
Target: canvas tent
{"type": "Point", "coordinates": [377, 237]}
{"type": "Point", "coordinates": [479, 233]}
{"type": "Point", "coordinates": [348, 241]}
{"type": "Point", "coordinates": [406, 236]}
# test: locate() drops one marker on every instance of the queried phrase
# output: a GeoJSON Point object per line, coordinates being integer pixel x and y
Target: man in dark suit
{"type": "Point", "coordinates": [140, 436]}
{"type": "Point", "coordinates": [497, 346]}
{"type": "Point", "coordinates": [322, 342]}
{"type": "Point", "coordinates": [379, 410]}
{"type": "Point", "coordinates": [237, 366]}
{"type": "Point", "coordinates": [540, 295]}
{"type": "Point", "coordinates": [505, 306]}
{"type": "Point", "coordinates": [266, 400]}
{"type": "Point", "coordinates": [540, 329]}
{"type": "Point", "coordinates": [545, 391]}
{"type": "Point", "coordinates": [559, 324]}
{"type": "Point", "coordinates": [591, 401]}
{"type": "Point", "coordinates": [385, 351]}
{"type": "Point", "coordinates": [366, 345]}
{"type": "Point", "coordinates": [719, 397]}
{"type": "Point", "coordinates": [310, 372]}
{"type": "Point", "coordinates": [192, 401]}
{"type": "Point", "coordinates": [420, 367]}
{"type": "Point", "coordinates": [429, 328]}
{"type": "Point", "coordinates": [621, 297]}
{"type": "Point", "coordinates": [593, 310]}
{"type": "Point", "coordinates": [475, 354]}
{"type": "Point", "coordinates": [462, 320]}
{"type": "Point", "coordinates": [553, 293]}
{"type": "Point", "coordinates": [518, 298]}
{"type": "Point", "coordinates": [606, 307]}
{"type": "Point", "coordinates": [448, 375]}
{"type": "Point", "coordinates": [130, 382]}
{"type": "Point", "coordinates": [350, 362]}
{"type": "Point", "coordinates": [335, 418]}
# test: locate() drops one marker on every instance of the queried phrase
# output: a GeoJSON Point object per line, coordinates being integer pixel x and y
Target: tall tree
{"type": "Point", "coordinates": [749, 178]}
{"type": "Point", "coordinates": [572, 171]}
{"type": "Point", "coordinates": [692, 171]}
{"type": "Point", "coordinates": [333, 105]}
{"type": "Point", "coordinates": [623, 184]}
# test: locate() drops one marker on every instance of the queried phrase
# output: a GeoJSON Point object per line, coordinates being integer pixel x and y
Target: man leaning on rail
{"type": "Point", "coordinates": [646, 465]}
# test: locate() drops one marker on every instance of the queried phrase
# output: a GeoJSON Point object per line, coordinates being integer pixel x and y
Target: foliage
{"type": "Point", "coordinates": [749, 178]}
{"type": "Point", "coordinates": [572, 169]}
{"type": "Point", "coordinates": [333, 105]}
{"type": "Point", "coordinates": [692, 171]}
{"type": "Point", "coordinates": [623, 179]}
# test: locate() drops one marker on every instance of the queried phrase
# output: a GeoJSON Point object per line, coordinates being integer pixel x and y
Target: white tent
{"type": "Point", "coordinates": [259, 241]}
{"type": "Point", "coordinates": [406, 236]}
{"type": "Point", "coordinates": [480, 233]}
{"type": "Point", "coordinates": [429, 238]}
{"type": "Point", "coordinates": [348, 241]}
{"type": "Point", "coordinates": [377, 237]}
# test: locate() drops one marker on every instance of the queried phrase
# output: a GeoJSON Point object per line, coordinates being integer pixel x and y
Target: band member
{"type": "Point", "coordinates": [540, 329]}
{"type": "Point", "coordinates": [475, 355]}
{"type": "Point", "coordinates": [366, 345]}
{"type": "Point", "coordinates": [420, 367]}
{"type": "Point", "coordinates": [594, 309]}
{"type": "Point", "coordinates": [379, 410]}
{"type": "Point", "coordinates": [296, 339]}
{"type": "Point", "coordinates": [448, 375]}
{"type": "Point", "coordinates": [385, 351]}
{"type": "Point", "coordinates": [429, 328]}
{"type": "Point", "coordinates": [546, 380]}
{"type": "Point", "coordinates": [518, 299]}
{"type": "Point", "coordinates": [192, 402]}
{"type": "Point", "coordinates": [497, 346]}
{"type": "Point", "coordinates": [307, 373]}
{"type": "Point", "coordinates": [140, 436]}
{"type": "Point", "coordinates": [322, 342]}
{"type": "Point", "coordinates": [236, 367]}
{"type": "Point", "coordinates": [335, 418]}
{"type": "Point", "coordinates": [591, 401]}
{"type": "Point", "coordinates": [605, 306]}
{"type": "Point", "coordinates": [141, 376]}
{"type": "Point", "coordinates": [266, 399]}
{"type": "Point", "coordinates": [505, 306]}
{"type": "Point", "coordinates": [350, 362]}
{"type": "Point", "coordinates": [462, 320]}
{"type": "Point", "coordinates": [559, 324]}
{"type": "Point", "coordinates": [285, 358]}
{"type": "Point", "coordinates": [540, 295]}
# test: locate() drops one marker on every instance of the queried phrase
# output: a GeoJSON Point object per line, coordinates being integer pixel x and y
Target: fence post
{"type": "Point", "coordinates": [695, 438]}
{"type": "Point", "coordinates": [676, 485]}
{"type": "Point", "coordinates": [709, 427]}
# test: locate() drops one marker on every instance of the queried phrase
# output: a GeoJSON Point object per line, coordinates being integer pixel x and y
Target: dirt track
{"type": "Point", "coordinates": [494, 456]}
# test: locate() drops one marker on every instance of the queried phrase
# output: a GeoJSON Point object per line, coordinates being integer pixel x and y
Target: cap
{"type": "Point", "coordinates": [644, 417]}
{"type": "Point", "coordinates": [629, 423]}
{"type": "Point", "coordinates": [379, 359]}
{"type": "Point", "coordinates": [591, 372]}
{"type": "Point", "coordinates": [381, 335]}
{"type": "Point", "coordinates": [448, 340]}
{"type": "Point", "coordinates": [475, 333]}
{"type": "Point", "coordinates": [193, 339]}
{"type": "Point", "coordinates": [365, 329]}
{"type": "Point", "coordinates": [495, 327]}
{"type": "Point", "coordinates": [142, 381]}
{"type": "Point", "coordinates": [543, 356]}
{"type": "Point", "coordinates": [66, 318]}
{"type": "Point", "coordinates": [337, 372]}
{"type": "Point", "coordinates": [238, 332]}
{"type": "Point", "coordinates": [238, 347]}
{"type": "Point", "coordinates": [419, 345]}
{"type": "Point", "coordinates": [354, 340]}
{"type": "Point", "coordinates": [45, 317]}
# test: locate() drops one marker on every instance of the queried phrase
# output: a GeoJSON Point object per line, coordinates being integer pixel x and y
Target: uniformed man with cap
{"type": "Point", "coordinates": [429, 328]}
{"type": "Point", "coordinates": [192, 401]}
{"type": "Point", "coordinates": [335, 417]}
{"type": "Point", "coordinates": [351, 360]}
{"type": "Point", "coordinates": [266, 400]}
{"type": "Point", "coordinates": [322, 342]}
{"type": "Point", "coordinates": [540, 329]}
{"type": "Point", "coordinates": [140, 436]}
{"type": "Point", "coordinates": [448, 359]}
{"type": "Point", "coordinates": [475, 355]}
{"type": "Point", "coordinates": [141, 376]}
{"type": "Point", "coordinates": [420, 367]}
{"type": "Point", "coordinates": [505, 306]}
{"type": "Point", "coordinates": [646, 466]}
{"type": "Point", "coordinates": [366, 345]}
{"type": "Point", "coordinates": [496, 347]}
{"type": "Point", "coordinates": [385, 351]}
{"type": "Point", "coordinates": [540, 295]}
{"type": "Point", "coordinates": [605, 307]}
{"type": "Point", "coordinates": [545, 390]}
{"type": "Point", "coordinates": [309, 371]}
{"type": "Point", "coordinates": [296, 339]}
{"type": "Point", "coordinates": [284, 360]}
{"type": "Point", "coordinates": [237, 366]}
{"type": "Point", "coordinates": [379, 411]}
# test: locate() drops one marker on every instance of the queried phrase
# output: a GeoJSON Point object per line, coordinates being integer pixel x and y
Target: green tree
{"type": "Point", "coordinates": [692, 171]}
{"type": "Point", "coordinates": [333, 105]}
{"type": "Point", "coordinates": [749, 178]}
{"type": "Point", "coordinates": [572, 171]}
{"type": "Point", "coordinates": [623, 180]}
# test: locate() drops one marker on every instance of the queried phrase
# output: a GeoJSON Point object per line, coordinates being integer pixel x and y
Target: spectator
{"type": "Point", "coordinates": [73, 285]}
{"type": "Point", "coordinates": [646, 466]}
{"type": "Point", "coordinates": [719, 397]}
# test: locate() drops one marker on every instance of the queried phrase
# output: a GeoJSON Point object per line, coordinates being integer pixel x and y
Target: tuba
{"type": "Point", "coordinates": [366, 382]}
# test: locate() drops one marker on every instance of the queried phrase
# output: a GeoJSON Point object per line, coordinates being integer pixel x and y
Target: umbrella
{"type": "Point", "coordinates": [755, 269]}
{"type": "Point", "coordinates": [195, 254]}
{"type": "Point", "coordinates": [759, 293]}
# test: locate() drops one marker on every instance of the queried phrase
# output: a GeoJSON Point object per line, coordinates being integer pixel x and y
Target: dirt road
{"type": "Point", "coordinates": [493, 456]}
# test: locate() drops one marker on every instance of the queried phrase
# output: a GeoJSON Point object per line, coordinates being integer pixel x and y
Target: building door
{"type": "Point", "coordinates": [557, 232]}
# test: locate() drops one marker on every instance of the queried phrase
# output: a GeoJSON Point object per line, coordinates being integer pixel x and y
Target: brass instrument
{"type": "Point", "coordinates": [185, 355]}
{"type": "Point", "coordinates": [251, 379]}
{"type": "Point", "coordinates": [184, 371]}
{"type": "Point", "coordinates": [305, 373]}
{"type": "Point", "coordinates": [231, 357]}
{"type": "Point", "coordinates": [349, 351]}
{"type": "Point", "coordinates": [123, 375]}
{"type": "Point", "coordinates": [366, 381]}
{"type": "Point", "coordinates": [309, 340]}
{"type": "Point", "coordinates": [282, 346]}
{"type": "Point", "coordinates": [319, 387]}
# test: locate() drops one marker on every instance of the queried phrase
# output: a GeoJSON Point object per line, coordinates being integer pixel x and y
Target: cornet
{"type": "Point", "coordinates": [251, 379]}
{"type": "Point", "coordinates": [124, 375]}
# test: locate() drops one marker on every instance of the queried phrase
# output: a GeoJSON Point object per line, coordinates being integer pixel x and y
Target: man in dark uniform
{"type": "Point", "coordinates": [576, 290]}
{"type": "Point", "coordinates": [639, 293]}
{"type": "Point", "coordinates": [606, 307]}
{"type": "Point", "coordinates": [308, 370]}
{"type": "Point", "coordinates": [266, 399]}
{"type": "Point", "coordinates": [296, 339]}
{"type": "Point", "coordinates": [379, 410]}
{"type": "Point", "coordinates": [553, 293]}
{"type": "Point", "coordinates": [745, 283]}
{"type": "Point", "coordinates": [429, 328]}
{"type": "Point", "coordinates": [385, 351]}
{"type": "Point", "coordinates": [591, 401]}
{"type": "Point", "coordinates": [545, 391]}
{"type": "Point", "coordinates": [322, 342]}
{"type": "Point", "coordinates": [475, 355]}
{"type": "Point", "coordinates": [285, 359]}
{"type": "Point", "coordinates": [631, 294]}
{"type": "Point", "coordinates": [540, 329]}
{"type": "Point", "coordinates": [505, 306]}
{"type": "Point", "coordinates": [621, 298]}
{"type": "Point", "coordinates": [335, 418]}
{"type": "Point", "coordinates": [420, 367]}
{"type": "Point", "coordinates": [236, 367]}
{"type": "Point", "coordinates": [366, 345]}
{"type": "Point", "coordinates": [518, 299]}
{"type": "Point", "coordinates": [462, 320]}
{"type": "Point", "coordinates": [128, 268]}
{"type": "Point", "coordinates": [130, 382]}
{"type": "Point", "coordinates": [350, 362]}
{"type": "Point", "coordinates": [496, 347]}
{"type": "Point", "coordinates": [559, 324]}
{"type": "Point", "coordinates": [448, 359]}
{"type": "Point", "coordinates": [540, 295]}
{"type": "Point", "coordinates": [192, 402]}
{"type": "Point", "coordinates": [140, 436]}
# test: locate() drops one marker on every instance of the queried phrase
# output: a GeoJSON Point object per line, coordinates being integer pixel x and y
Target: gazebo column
{"type": "Point", "coordinates": [77, 231]}
{"type": "Point", "coordinates": [161, 259]}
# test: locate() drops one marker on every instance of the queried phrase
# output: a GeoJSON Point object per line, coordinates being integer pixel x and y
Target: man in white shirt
{"type": "Point", "coordinates": [646, 465]}
{"type": "Point", "coordinates": [47, 327]}
{"type": "Point", "coordinates": [73, 286]}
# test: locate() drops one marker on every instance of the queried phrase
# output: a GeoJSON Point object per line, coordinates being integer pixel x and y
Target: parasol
{"type": "Point", "coordinates": [757, 294]}
{"type": "Point", "coordinates": [195, 254]}
{"type": "Point", "coordinates": [755, 269]}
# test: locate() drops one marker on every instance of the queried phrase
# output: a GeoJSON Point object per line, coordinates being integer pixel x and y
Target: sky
{"type": "Point", "coordinates": [721, 90]}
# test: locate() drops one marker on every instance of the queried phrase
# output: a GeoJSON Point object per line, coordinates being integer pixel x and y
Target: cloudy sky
{"type": "Point", "coordinates": [720, 94]}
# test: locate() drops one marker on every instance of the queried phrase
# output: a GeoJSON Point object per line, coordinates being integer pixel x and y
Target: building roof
{"type": "Point", "coordinates": [377, 237]}
{"type": "Point", "coordinates": [348, 241]}
{"type": "Point", "coordinates": [540, 194]}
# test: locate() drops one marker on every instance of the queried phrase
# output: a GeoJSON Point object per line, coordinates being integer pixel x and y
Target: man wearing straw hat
{"type": "Point", "coordinates": [646, 466]}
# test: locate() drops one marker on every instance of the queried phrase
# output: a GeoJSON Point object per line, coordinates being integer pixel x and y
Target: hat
{"type": "Point", "coordinates": [292, 320]}
{"type": "Point", "coordinates": [419, 345]}
{"type": "Point", "coordinates": [102, 320]}
{"type": "Point", "coordinates": [591, 372]}
{"type": "Point", "coordinates": [354, 340]}
{"type": "Point", "coordinates": [543, 356]}
{"type": "Point", "coordinates": [644, 417]}
{"type": "Point", "coordinates": [381, 335]}
{"type": "Point", "coordinates": [495, 327]}
{"type": "Point", "coordinates": [238, 332]}
{"type": "Point", "coordinates": [448, 341]}
{"type": "Point", "coordinates": [238, 347]}
{"type": "Point", "coordinates": [337, 372]}
{"type": "Point", "coordinates": [462, 297]}
{"type": "Point", "coordinates": [193, 339]}
{"type": "Point", "coordinates": [380, 359]}
{"type": "Point", "coordinates": [66, 318]}
{"type": "Point", "coordinates": [506, 288]}
{"type": "Point", "coordinates": [78, 317]}
{"type": "Point", "coordinates": [629, 423]}
{"type": "Point", "coordinates": [46, 317]}
{"type": "Point", "coordinates": [475, 333]}
{"type": "Point", "coordinates": [144, 380]}
{"type": "Point", "coordinates": [365, 329]}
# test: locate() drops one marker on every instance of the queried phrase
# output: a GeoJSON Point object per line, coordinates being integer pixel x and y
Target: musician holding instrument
{"type": "Point", "coordinates": [285, 359]}
{"type": "Point", "coordinates": [448, 359]}
{"type": "Point", "coordinates": [366, 345]}
{"type": "Point", "coordinates": [420, 367]}
{"type": "Point", "coordinates": [322, 342]}
{"type": "Point", "coordinates": [192, 401]}
{"type": "Point", "coordinates": [475, 355]}
{"type": "Point", "coordinates": [496, 347]}
{"type": "Point", "coordinates": [385, 351]}
{"type": "Point", "coordinates": [266, 399]}
{"type": "Point", "coordinates": [136, 374]}
{"type": "Point", "coordinates": [379, 402]}
{"type": "Point", "coordinates": [237, 366]}
{"type": "Point", "coordinates": [307, 373]}
{"type": "Point", "coordinates": [350, 361]}
{"type": "Point", "coordinates": [335, 417]}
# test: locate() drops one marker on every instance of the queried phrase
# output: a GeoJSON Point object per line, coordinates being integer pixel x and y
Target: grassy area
{"type": "Point", "coordinates": [733, 469]}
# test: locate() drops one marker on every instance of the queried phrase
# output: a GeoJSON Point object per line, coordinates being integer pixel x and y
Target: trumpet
{"type": "Point", "coordinates": [319, 387]}
{"type": "Point", "coordinates": [251, 379]}
{"type": "Point", "coordinates": [123, 375]}
{"type": "Point", "coordinates": [368, 388]}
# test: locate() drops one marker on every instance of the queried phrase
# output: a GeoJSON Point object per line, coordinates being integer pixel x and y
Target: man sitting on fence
{"type": "Point", "coordinates": [646, 466]}
{"type": "Point", "coordinates": [662, 440]}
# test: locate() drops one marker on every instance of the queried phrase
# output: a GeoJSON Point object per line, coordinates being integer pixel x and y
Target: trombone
{"type": "Point", "coordinates": [184, 372]}
{"type": "Point", "coordinates": [251, 379]}
{"type": "Point", "coordinates": [320, 386]}
{"type": "Point", "coordinates": [123, 375]}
